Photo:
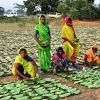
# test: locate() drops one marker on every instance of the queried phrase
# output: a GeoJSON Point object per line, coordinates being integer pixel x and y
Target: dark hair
{"type": "Point", "coordinates": [42, 16]}
{"type": "Point", "coordinates": [60, 48]}
{"type": "Point", "coordinates": [22, 49]}
{"type": "Point", "coordinates": [69, 20]}
{"type": "Point", "coordinates": [93, 48]}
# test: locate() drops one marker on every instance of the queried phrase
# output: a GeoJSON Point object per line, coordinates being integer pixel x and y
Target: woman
{"type": "Point", "coordinates": [70, 40]}
{"type": "Point", "coordinates": [24, 66]}
{"type": "Point", "coordinates": [60, 61]}
{"type": "Point", "coordinates": [42, 37]}
{"type": "Point", "coordinates": [90, 58]}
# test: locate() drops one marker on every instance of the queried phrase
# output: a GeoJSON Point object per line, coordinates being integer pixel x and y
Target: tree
{"type": "Point", "coordinates": [68, 8]}
{"type": "Point", "coordinates": [98, 11]}
{"type": "Point", "coordinates": [91, 1]}
{"type": "Point", "coordinates": [81, 9]}
{"type": "Point", "coordinates": [46, 6]}
{"type": "Point", "coordinates": [1, 11]}
{"type": "Point", "coordinates": [20, 8]}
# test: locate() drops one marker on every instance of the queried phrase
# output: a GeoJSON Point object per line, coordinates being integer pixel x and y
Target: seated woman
{"type": "Point", "coordinates": [24, 66]}
{"type": "Point", "coordinates": [90, 56]}
{"type": "Point", "coordinates": [60, 61]}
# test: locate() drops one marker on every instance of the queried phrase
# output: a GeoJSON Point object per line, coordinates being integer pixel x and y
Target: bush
{"type": "Point", "coordinates": [4, 19]}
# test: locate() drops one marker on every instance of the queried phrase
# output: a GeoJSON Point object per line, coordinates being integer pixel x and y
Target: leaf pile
{"type": "Point", "coordinates": [37, 89]}
{"type": "Point", "coordinates": [89, 77]}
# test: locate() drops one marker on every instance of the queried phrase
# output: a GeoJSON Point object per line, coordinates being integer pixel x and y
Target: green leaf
{"type": "Point", "coordinates": [6, 98]}
{"type": "Point", "coordinates": [64, 95]}
{"type": "Point", "coordinates": [37, 98]}
{"type": "Point", "coordinates": [54, 97]}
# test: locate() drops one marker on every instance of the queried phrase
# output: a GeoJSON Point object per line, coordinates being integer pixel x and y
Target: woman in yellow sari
{"type": "Point", "coordinates": [70, 40]}
{"type": "Point", "coordinates": [24, 66]}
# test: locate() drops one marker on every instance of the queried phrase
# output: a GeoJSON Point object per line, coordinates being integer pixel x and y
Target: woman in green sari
{"type": "Point", "coordinates": [42, 37]}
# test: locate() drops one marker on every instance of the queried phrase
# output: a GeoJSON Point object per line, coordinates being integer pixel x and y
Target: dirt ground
{"type": "Point", "coordinates": [86, 94]}
{"type": "Point", "coordinates": [15, 26]}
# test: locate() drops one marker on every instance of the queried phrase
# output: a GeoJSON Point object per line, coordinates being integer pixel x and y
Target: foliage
{"type": "Point", "coordinates": [15, 19]}
{"type": "Point", "coordinates": [98, 11]}
{"type": "Point", "coordinates": [36, 89]}
{"type": "Point", "coordinates": [89, 77]}
{"type": "Point", "coordinates": [9, 19]}
{"type": "Point", "coordinates": [1, 11]}
{"type": "Point", "coordinates": [20, 8]}
{"type": "Point", "coordinates": [80, 9]}
{"type": "Point", "coordinates": [46, 6]}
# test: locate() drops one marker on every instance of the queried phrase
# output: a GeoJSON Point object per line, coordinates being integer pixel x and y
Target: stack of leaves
{"type": "Point", "coordinates": [89, 77]}
{"type": "Point", "coordinates": [37, 89]}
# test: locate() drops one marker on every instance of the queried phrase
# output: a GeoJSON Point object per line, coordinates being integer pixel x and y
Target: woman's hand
{"type": "Point", "coordinates": [39, 42]}
{"type": "Point", "coordinates": [66, 39]}
{"type": "Point", "coordinates": [26, 78]}
{"type": "Point", "coordinates": [43, 45]}
{"type": "Point", "coordinates": [37, 75]}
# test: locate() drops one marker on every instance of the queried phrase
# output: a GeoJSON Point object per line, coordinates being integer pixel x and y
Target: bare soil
{"type": "Point", "coordinates": [56, 23]}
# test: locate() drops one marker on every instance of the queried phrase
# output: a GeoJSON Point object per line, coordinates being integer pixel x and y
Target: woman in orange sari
{"type": "Point", "coordinates": [90, 58]}
{"type": "Point", "coordinates": [70, 40]}
{"type": "Point", "coordinates": [98, 59]}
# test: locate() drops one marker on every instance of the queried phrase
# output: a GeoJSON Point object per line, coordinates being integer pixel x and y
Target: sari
{"type": "Point", "coordinates": [44, 55]}
{"type": "Point", "coordinates": [91, 56]}
{"type": "Point", "coordinates": [27, 66]}
{"type": "Point", "coordinates": [72, 51]}
{"type": "Point", "coordinates": [97, 60]}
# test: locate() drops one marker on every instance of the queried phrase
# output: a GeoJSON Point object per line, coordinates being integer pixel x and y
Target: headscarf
{"type": "Point", "coordinates": [43, 32]}
{"type": "Point", "coordinates": [41, 28]}
{"type": "Point", "coordinates": [27, 65]}
{"type": "Point", "coordinates": [69, 20]}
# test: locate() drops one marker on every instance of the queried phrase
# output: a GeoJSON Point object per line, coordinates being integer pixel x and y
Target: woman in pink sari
{"type": "Point", "coordinates": [60, 61]}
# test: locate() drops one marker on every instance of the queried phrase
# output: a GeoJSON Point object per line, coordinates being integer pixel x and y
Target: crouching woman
{"type": "Point", "coordinates": [24, 66]}
{"type": "Point", "coordinates": [90, 57]}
